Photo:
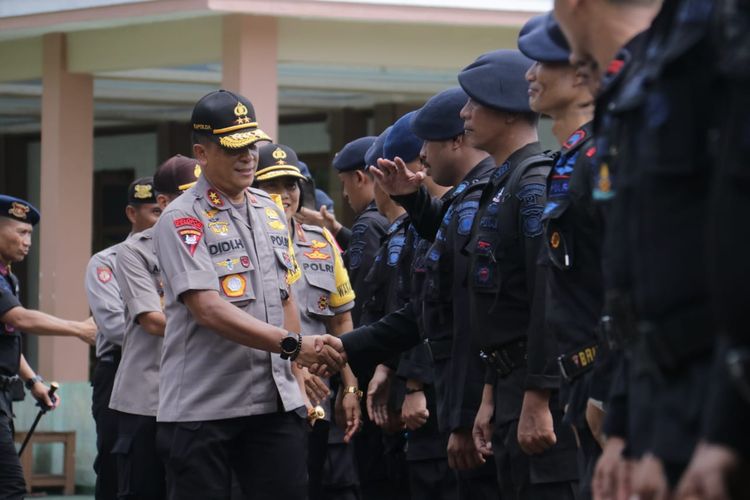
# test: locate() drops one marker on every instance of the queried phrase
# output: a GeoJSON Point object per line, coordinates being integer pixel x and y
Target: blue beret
{"type": "Point", "coordinates": [401, 141]}
{"type": "Point", "coordinates": [304, 169]}
{"type": "Point", "coordinates": [376, 150]}
{"type": "Point", "coordinates": [352, 156]}
{"type": "Point", "coordinates": [544, 42]}
{"type": "Point", "coordinates": [439, 119]}
{"type": "Point", "coordinates": [531, 24]}
{"type": "Point", "coordinates": [498, 80]}
{"type": "Point", "coordinates": [18, 209]}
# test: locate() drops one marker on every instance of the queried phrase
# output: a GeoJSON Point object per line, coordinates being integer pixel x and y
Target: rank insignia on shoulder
{"type": "Point", "coordinates": [318, 244]}
{"type": "Point", "coordinates": [323, 302]}
{"type": "Point", "coordinates": [234, 285]}
{"type": "Point", "coordinates": [104, 274]}
{"type": "Point", "coordinates": [215, 198]}
{"type": "Point", "coordinates": [277, 225]}
{"type": "Point", "coordinates": [317, 255]}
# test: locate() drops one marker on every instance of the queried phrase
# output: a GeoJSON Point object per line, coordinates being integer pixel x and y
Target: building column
{"type": "Point", "coordinates": [67, 156]}
{"type": "Point", "coordinates": [249, 65]}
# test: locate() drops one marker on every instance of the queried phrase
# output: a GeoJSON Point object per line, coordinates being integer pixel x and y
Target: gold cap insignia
{"type": "Point", "coordinates": [142, 191]}
{"type": "Point", "coordinates": [279, 154]}
{"type": "Point", "coordinates": [240, 111]}
{"type": "Point", "coordinates": [18, 210]}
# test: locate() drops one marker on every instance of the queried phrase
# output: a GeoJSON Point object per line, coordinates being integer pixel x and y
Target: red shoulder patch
{"type": "Point", "coordinates": [188, 222]}
{"type": "Point", "coordinates": [104, 274]}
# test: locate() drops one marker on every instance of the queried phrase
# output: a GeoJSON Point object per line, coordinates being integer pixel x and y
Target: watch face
{"type": "Point", "coordinates": [289, 344]}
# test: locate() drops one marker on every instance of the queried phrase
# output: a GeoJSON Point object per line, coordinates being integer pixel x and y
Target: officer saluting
{"type": "Point", "coordinates": [17, 219]}
{"type": "Point", "coordinates": [227, 400]}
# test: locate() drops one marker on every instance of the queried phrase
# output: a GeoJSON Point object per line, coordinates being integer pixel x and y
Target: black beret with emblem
{"type": "Point", "coordinates": [498, 80]}
{"type": "Point", "coordinates": [542, 40]}
{"type": "Point", "coordinates": [277, 160]}
{"type": "Point", "coordinates": [141, 191]}
{"type": "Point", "coordinates": [18, 209]}
{"type": "Point", "coordinates": [176, 175]}
{"type": "Point", "coordinates": [228, 119]}
{"type": "Point", "coordinates": [352, 156]}
{"type": "Point", "coordinates": [440, 118]}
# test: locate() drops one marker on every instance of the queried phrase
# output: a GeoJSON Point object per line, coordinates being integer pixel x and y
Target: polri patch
{"type": "Point", "coordinates": [104, 274]}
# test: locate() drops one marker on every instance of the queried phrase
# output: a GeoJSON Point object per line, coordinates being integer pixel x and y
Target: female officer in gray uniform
{"type": "Point", "coordinates": [325, 297]}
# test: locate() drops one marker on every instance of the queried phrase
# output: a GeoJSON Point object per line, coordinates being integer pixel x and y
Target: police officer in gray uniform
{"type": "Point", "coordinates": [325, 299]}
{"type": "Point", "coordinates": [107, 308]}
{"type": "Point", "coordinates": [135, 394]}
{"type": "Point", "coordinates": [227, 400]}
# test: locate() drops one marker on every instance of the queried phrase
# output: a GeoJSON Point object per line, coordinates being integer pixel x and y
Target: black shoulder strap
{"type": "Point", "coordinates": [543, 161]}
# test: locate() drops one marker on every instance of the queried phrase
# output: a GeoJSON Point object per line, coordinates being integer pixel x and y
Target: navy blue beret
{"type": "Point", "coordinates": [498, 80]}
{"type": "Point", "coordinates": [18, 209]}
{"type": "Point", "coordinates": [440, 117]}
{"type": "Point", "coordinates": [401, 141]}
{"type": "Point", "coordinates": [352, 156]}
{"type": "Point", "coordinates": [531, 24]}
{"type": "Point", "coordinates": [544, 42]}
{"type": "Point", "coordinates": [376, 150]}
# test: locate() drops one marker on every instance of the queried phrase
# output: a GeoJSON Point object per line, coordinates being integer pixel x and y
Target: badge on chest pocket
{"type": "Point", "coordinates": [234, 273]}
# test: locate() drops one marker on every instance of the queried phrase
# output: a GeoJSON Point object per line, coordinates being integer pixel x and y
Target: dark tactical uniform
{"type": "Point", "coordinates": [429, 474]}
{"type": "Point", "coordinates": [12, 484]}
{"type": "Point", "coordinates": [457, 381]}
{"type": "Point", "coordinates": [573, 234]}
{"type": "Point", "coordinates": [618, 324]}
{"type": "Point", "coordinates": [664, 192]}
{"type": "Point", "coordinates": [506, 303]}
{"type": "Point", "coordinates": [367, 231]}
{"type": "Point", "coordinates": [729, 411]}
{"type": "Point", "coordinates": [382, 281]}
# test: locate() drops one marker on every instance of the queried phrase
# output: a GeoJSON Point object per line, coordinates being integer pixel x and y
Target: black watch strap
{"type": "Point", "coordinates": [288, 350]}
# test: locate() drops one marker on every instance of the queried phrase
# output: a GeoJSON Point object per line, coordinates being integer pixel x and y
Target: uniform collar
{"type": "Point", "coordinates": [4, 269]}
{"type": "Point", "coordinates": [577, 138]}
{"type": "Point", "coordinates": [299, 236]}
{"type": "Point", "coordinates": [531, 149]}
{"type": "Point", "coordinates": [215, 198]}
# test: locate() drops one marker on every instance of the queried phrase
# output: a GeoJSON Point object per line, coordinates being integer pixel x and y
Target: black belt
{"type": "Point", "coordinates": [439, 349]}
{"type": "Point", "coordinates": [112, 356]}
{"type": "Point", "coordinates": [506, 358]}
{"type": "Point", "coordinates": [7, 382]}
{"type": "Point", "coordinates": [577, 362]}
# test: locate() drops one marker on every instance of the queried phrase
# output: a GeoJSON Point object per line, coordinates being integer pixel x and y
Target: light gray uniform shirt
{"type": "Point", "coordinates": [204, 243]}
{"type": "Point", "coordinates": [136, 386]}
{"type": "Point", "coordinates": [104, 298]}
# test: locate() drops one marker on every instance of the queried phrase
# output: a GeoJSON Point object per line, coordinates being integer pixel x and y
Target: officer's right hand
{"type": "Point", "coordinates": [483, 427]}
{"type": "Point", "coordinates": [462, 454]}
{"type": "Point", "coordinates": [87, 331]}
{"type": "Point", "coordinates": [414, 410]}
{"type": "Point", "coordinates": [707, 475]}
{"type": "Point", "coordinates": [323, 355]}
{"type": "Point", "coordinates": [395, 179]}
{"type": "Point", "coordinates": [649, 482]}
{"type": "Point", "coordinates": [536, 430]}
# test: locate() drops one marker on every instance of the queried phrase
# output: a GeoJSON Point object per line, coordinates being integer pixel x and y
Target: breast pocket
{"type": "Point", "coordinates": [318, 295]}
{"type": "Point", "coordinates": [484, 273]}
{"type": "Point", "coordinates": [559, 239]}
{"type": "Point", "coordinates": [234, 272]}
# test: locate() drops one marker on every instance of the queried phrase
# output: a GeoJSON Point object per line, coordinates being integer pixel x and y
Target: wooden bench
{"type": "Point", "coordinates": [66, 480]}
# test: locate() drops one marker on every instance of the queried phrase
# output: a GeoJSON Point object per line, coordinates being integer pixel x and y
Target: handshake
{"type": "Point", "coordinates": [322, 355]}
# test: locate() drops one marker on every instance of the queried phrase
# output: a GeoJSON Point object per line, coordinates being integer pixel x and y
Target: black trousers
{"type": "Point", "coordinates": [432, 479]}
{"type": "Point", "coordinates": [479, 483]}
{"type": "Point", "coordinates": [140, 471]}
{"type": "Point", "coordinates": [12, 484]}
{"type": "Point", "coordinates": [331, 466]}
{"type": "Point", "coordinates": [105, 419]}
{"type": "Point", "coordinates": [267, 453]}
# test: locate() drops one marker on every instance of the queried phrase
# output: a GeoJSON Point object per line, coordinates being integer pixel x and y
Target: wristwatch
{"type": "Point", "coordinates": [291, 345]}
{"type": "Point", "coordinates": [33, 380]}
{"type": "Point", "coordinates": [354, 390]}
